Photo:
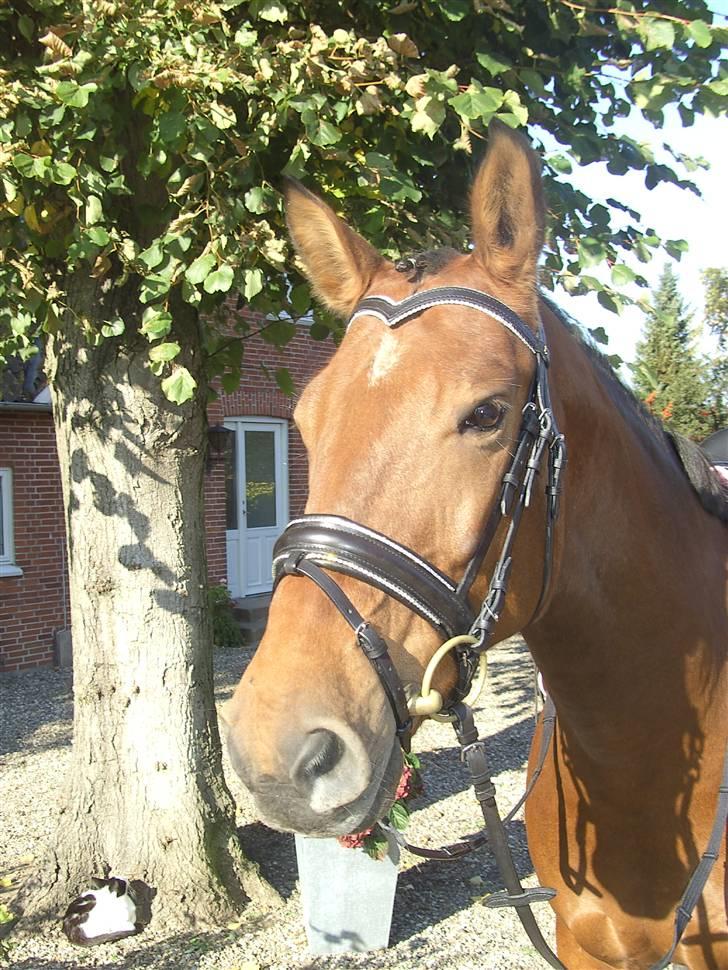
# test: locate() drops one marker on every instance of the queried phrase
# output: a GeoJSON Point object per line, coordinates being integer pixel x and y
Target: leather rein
{"type": "Point", "coordinates": [316, 545]}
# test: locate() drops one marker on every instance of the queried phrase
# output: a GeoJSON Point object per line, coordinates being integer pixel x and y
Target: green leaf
{"type": "Point", "coordinates": [172, 125]}
{"type": "Point", "coordinates": [24, 164]}
{"type": "Point", "coordinates": [27, 27]}
{"type": "Point", "coordinates": [199, 269]}
{"type": "Point", "coordinates": [153, 287]}
{"type": "Point", "coordinates": [399, 816]}
{"type": "Point", "coordinates": [245, 37]}
{"type": "Point", "coordinates": [73, 94]}
{"type": "Point", "coordinates": [94, 210]}
{"type": "Point", "coordinates": [599, 334]}
{"type": "Point", "coordinates": [455, 10]}
{"type": "Point", "coordinates": [301, 299]}
{"type": "Point", "coordinates": [179, 386]}
{"type": "Point", "coordinates": [319, 331]}
{"type": "Point", "coordinates": [220, 280]}
{"type": "Point", "coordinates": [379, 162]}
{"type": "Point", "coordinates": [519, 111]}
{"type": "Point", "coordinates": [607, 301]}
{"type": "Point", "coordinates": [428, 115]}
{"type": "Point", "coordinates": [700, 33]}
{"type": "Point", "coordinates": [114, 328]}
{"type": "Point", "coordinates": [270, 10]}
{"type": "Point", "coordinates": [285, 381]}
{"type": "Point", "coordinates": [657, 33]}
{"type": "Point", "coordinates": [323, 133]}
{"type": "Point", "coordinates": [156, 323]}
{"type": "Point", "coordinates": [255, 200]}
{"type": "Point", "coordinates": [621, 274]}
{"type": "Point", "coordinates": [376, 845]}
{"type": "Point", "coordinates": [161, 353]}
{"type": "Point", "coordinates": [560, 164]}
{"type": "Point", "coordinates": [253, 283]}
{"type": "Point", "coordinates": [492, 63]}
{"type": "Point", "coordinates": [477, 102]}
{"type": "Point", "coordinates": [62, 173]}
{"type": "Point", "coordinates": [222, 116]}
{"type": "Point", "coordinates": [152, 256]}
{"type": "Point", "coordinates": [99, 236]}
{"type": "Point", "coordinates": [231, 380]}
{"type": "Point", "coordinates": [676, 247]}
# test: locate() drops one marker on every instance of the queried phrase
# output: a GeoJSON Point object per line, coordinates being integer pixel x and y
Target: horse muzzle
{"type": "Point", "coordinates": [326, 780]}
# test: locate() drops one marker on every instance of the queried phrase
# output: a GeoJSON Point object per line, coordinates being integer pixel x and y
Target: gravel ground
{"type": "Point", "coordinates": [438, 920]}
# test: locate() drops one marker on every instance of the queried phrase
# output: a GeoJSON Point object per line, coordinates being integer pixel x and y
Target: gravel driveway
{"type": "Point", "coordinates": [438, 920]}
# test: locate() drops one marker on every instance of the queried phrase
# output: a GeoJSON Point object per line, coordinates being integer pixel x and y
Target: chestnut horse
{"type": "Point", "coordinates": [409, 431]}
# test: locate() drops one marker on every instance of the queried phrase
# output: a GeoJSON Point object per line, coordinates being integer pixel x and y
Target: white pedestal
{"type": "Point", "coordinates": [347, 896]}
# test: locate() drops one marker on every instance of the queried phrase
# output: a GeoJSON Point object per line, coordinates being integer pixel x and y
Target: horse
{"type": "Point", "coordinates": [410, 430]}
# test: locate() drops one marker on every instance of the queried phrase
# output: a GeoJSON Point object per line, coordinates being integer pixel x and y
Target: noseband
{"type": "Point", "coordinates": [314, 545]}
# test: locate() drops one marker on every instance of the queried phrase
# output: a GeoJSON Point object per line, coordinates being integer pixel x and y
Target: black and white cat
{"type": "Point", "coordinates": [104, 914]}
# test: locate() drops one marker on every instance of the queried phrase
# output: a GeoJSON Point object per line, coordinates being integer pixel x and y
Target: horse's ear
{"type": "Point", "coordinates": [507, 207]}
{"type": "Point", "coordinates": [338, 262]}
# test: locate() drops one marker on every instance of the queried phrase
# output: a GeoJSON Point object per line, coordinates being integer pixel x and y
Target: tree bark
{"type": "Point", "coordinates": [146, 796]}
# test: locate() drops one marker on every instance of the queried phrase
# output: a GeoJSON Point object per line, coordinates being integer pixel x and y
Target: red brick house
{"type": "Point", "coordinates": [252, 488]}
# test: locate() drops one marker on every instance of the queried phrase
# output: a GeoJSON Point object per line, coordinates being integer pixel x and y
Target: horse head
{"type": "Point", "coordinates": [409, 432]}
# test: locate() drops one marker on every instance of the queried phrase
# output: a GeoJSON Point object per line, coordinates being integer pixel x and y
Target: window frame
{"type": "Point", "coordinates": [8, 566]}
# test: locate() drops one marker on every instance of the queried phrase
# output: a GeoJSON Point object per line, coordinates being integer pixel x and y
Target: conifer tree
{"type": "Point", "coordinates": [716, 318]}
{"type": "Point", "coordinates": [668, 373]}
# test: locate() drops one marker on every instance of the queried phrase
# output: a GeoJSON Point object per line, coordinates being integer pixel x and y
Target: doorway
{"type": "Point", "coordinates": [256, 501]}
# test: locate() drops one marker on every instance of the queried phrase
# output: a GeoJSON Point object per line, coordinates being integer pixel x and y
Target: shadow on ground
{"type": "Point", "coordinates": [432, 891]}
{"type": "Point", "coordinates": [275, 854]}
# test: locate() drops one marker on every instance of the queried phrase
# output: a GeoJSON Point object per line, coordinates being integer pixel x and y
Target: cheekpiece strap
{"type": "Point", "coordinates": [393, 312]}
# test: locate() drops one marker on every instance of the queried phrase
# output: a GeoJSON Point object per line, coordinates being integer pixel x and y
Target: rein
{"type": "Point", "coordinates": [315, 545]}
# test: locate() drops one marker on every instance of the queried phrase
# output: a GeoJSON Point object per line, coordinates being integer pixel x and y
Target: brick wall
{"type": "Point", "coordinates": [32, 605]}
{"type": "Point", "coordinates": [259, 396]}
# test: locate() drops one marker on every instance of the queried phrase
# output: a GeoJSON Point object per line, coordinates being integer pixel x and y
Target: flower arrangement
{"type": "Point", "coordinates": [374, 840]}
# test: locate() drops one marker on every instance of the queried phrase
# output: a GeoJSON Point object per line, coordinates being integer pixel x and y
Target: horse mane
{"type": "Point", "coordinates": [707, 485]}
{"type": "Point", "coordinates": [425, 263]}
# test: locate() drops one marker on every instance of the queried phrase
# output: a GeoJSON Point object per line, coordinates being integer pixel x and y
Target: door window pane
{"type": "Point", "coordinates": [231, 484]}
{"type": "Point", "coordinates": [260, 478]}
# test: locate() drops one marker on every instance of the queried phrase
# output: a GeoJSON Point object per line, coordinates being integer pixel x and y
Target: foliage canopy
{"type": "Point", "coordinates": [145, 141]}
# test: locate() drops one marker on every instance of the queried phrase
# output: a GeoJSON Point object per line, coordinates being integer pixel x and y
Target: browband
{"type": "Point", "coordinates": [393, 312]}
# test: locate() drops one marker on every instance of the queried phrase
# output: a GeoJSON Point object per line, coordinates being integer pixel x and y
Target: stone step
{"type": "Point", "coordinates": [251, 612]}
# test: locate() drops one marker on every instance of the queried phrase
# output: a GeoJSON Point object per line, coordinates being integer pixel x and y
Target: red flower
{"type": "Point", "coordinates": [404, 789]}
{"type": "Point", "coordinates": [355, 840]}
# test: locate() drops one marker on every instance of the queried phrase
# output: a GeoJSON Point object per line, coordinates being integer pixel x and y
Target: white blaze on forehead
{"type": "Point", "coordinates": [385, 358]}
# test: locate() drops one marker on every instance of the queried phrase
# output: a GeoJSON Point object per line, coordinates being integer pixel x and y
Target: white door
{"type": "Point", "coordinates": [257, 501]}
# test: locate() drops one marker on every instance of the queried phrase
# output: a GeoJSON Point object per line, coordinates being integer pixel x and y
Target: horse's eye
{"type": "Point", "coordinates": [486, 417]}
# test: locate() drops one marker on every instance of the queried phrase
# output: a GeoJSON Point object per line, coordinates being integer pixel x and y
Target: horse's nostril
{"type": "Point", "coordinates": [321, 752]}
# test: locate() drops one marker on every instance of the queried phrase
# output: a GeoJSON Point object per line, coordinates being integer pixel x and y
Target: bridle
{"type": "Point", "coordinates": [312, 544]}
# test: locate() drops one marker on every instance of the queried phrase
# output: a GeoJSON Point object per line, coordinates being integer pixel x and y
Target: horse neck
{"type": "Point", "coordinates": [634, 635]}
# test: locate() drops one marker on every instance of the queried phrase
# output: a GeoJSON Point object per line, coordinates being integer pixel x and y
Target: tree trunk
{"type": "Point", "coordinates": [147, 798]}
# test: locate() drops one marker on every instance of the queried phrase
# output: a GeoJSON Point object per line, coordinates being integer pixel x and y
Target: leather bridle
{"type": "Point", "coordinates": [315, 545]}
